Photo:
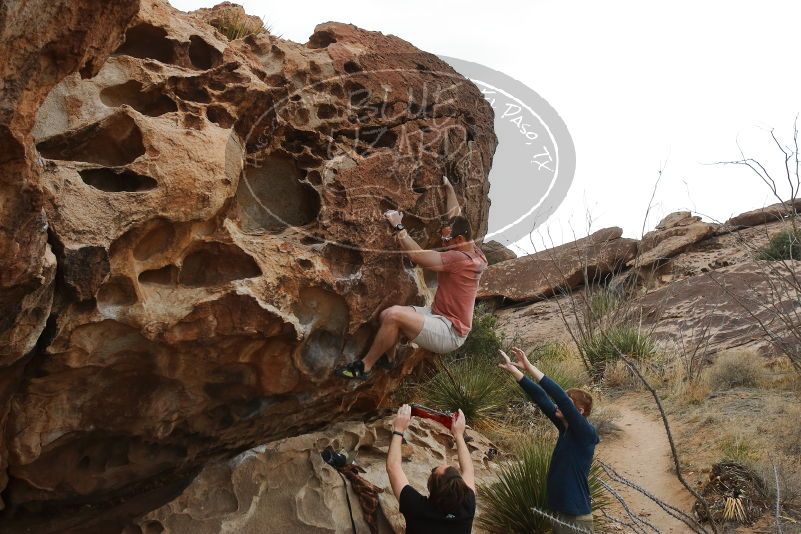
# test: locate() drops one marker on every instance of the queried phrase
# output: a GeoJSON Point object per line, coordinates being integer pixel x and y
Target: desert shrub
{"type": "Point", "coordinates": [736, 369]}
{"type": "Point", "coordinates": [521, 486]}
{"type": "Point", "coordinates": [687, 385]}
{"type": "Point", "coordinates": [785, 245]}
{"type": "Point", "coordinates": [602, 348]}
{"type": "Point", "coordinates": [236, 25]}
{"type": "Point", "coordinates": [483, 341]}
{"type": "Point", "coordinates": [476, 385]}
{"type": "Point", "coordinates": [738, 449]}
{"type": "Point", "coordinates": [603, 301]}
{"type": "Point", "coordinates": [617, 375]}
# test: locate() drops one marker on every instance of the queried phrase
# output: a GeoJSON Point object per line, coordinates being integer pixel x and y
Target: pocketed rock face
{"type": "Point", "coordinates": [215, 211]}
{"type": "Point", "coordinates": [40, 43]}
{"type": "Point", "coordinates": [285, 486]}
{"type": "Point", "coordinates": [69, 37]}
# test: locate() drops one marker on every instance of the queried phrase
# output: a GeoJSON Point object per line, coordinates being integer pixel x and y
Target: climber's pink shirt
{"type": "Point", "coordinates": [457, 285]}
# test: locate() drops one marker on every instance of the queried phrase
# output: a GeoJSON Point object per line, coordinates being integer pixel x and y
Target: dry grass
{"type": "Point", "coordinates": [739, 447]}
{"type": "Point", "coordinates": [237, 25]}
{"type": "Point", "coordinates": [692, 392]}
{"type": "Point", "coordinates": [736, 369]}
{"type": "Point", "coordinates": [789, 434]}
{"type": "Point", "coordinates": [788, 472]}
{"type": "Point", "coordinates": [683, 387]}
{"type": "Point", "coordinates": [783, 375]}
{"type": "Point", "coordinates": [562, 364]}
{"type": "Point", "coordinates": [618, 376]}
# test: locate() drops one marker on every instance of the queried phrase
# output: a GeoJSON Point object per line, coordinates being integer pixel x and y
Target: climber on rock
{"type": "Point", "coordinates": [451, 502]}
{"type": "Point", "coordinates": [567, 484]}
{"type": "Point", "coordinates": [442, 327]}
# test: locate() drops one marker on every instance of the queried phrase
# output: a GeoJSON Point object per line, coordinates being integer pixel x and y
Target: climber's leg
{"type": "Point", "coordinates": [394, 321]}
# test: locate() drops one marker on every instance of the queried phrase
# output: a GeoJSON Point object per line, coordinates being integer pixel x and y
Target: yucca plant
{"type": "Point", "coordinates": [476, 385]}
{"type": "Point", "coordinates": [509, 503]}
{"type": "Point", "coordinates": [786, 245]}
{"type": "Point", "coordinates": [602, 348]}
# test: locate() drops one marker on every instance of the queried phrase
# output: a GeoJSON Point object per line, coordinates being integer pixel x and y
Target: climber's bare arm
{"type": "Point", "coordinates": [465, 461]}
{"type": "Point", "coordinates": [428, 259]}
{"type": "Point", "coordinates": [397, 478]}
{"type": "Point", "coordinates": [453, 208]}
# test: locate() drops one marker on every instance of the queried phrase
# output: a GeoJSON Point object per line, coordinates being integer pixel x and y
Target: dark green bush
{"type": "Point", "coordinates": [483, 340]}
{"type": "Point", "coordinates": [786, 245]}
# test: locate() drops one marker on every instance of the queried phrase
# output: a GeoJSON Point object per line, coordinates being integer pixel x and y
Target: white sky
{"type": "Point", "coordinates": [637, 83]}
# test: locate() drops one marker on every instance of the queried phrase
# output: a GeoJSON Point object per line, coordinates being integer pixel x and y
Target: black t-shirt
{"type": "Point", "coordinates": [423, 518]}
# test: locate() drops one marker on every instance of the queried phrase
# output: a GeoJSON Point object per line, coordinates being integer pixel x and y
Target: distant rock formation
{"type": "Point", "coordinates": [565, 267]}
{"type": "Point", "coordinates": [213, 210]}
{"type": "Point", "coordinates": [768, 214]}
{"type": "Point", "coordinates": [672, 235]}
{"type": "Point", "coordinates": [698, 285]}
{"type": "Point", "coordinates": [496, 252]}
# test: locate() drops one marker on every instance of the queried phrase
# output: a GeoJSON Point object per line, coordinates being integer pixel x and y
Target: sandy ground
{"type": "Point", "coordinates": [640, 452]}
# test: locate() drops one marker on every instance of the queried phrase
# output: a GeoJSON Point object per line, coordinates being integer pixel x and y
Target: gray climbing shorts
{"type": "Point", "coordinates": [438, 334]}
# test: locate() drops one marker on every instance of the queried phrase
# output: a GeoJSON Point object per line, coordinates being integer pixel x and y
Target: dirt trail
{"type": "Point", "coordinates": [641, 453]}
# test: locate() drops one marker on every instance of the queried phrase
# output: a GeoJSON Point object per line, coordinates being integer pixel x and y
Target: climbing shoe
{"type": "Point", "coordinates": [353, 371]}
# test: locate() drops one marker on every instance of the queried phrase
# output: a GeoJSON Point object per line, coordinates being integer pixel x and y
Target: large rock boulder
{"type": "Point", "coordinates": [710, 297]}
{"type": "Point", "coordinates": [496, 252]}
{"type": "Point", "coordinates": [215, 213]}
{"type": "Point", "coordinates": [769, 214]}
{"type": "Point", "coordinates": [285, 486]}
{"type": "Point", "coordinates": [540, 275]}
{"type": "Point", "coordinates": [40, 42]}
{"type": "Point", "coordinates": [675, 233]}
{"type": "Point", "coordinates": [726, 308]}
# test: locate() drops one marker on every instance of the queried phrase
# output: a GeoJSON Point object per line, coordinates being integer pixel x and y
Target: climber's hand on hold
{"type": "Point", "coordinates": [394, 217]}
